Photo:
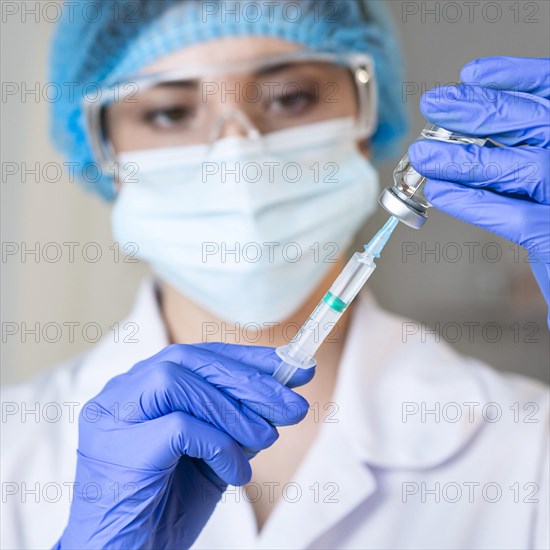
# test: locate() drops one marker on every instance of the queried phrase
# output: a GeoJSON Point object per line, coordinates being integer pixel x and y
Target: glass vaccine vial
{"type": "Point", "coordinates": [406, 200]}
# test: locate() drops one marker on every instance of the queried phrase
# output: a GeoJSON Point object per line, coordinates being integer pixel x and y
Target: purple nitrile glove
{"type": "Point", "coordinates": [160, 443]}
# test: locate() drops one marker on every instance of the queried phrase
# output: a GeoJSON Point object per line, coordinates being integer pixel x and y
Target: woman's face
{"type": "Point", "coordinates": [184, 113]}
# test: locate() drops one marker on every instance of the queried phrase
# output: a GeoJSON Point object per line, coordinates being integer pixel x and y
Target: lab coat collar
{"type": "Point", "coordinates": [399, 397]}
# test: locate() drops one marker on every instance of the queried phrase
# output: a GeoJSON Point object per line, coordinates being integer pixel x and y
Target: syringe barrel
{"type": "Point", "coordinates": [352, 278]}
{"type": "Point", "coordinates": [406, 200]}
{"type": "Point", "coordinates": [321, 322]}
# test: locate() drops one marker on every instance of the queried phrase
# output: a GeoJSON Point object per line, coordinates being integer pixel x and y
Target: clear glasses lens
{"type": "Point", "coordinates": [170, 113]}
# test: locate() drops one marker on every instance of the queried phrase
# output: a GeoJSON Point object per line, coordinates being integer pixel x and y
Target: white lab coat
{"type": "Point", "coordinates": [382, 473]}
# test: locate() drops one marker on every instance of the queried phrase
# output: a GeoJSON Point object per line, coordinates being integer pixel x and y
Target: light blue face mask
{"type": "Point", "coordinates": [245, 228]}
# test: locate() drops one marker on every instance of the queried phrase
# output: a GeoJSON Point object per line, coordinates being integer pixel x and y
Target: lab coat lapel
{"type": "Point", "coordinates": [388, 386]}
{"type": "Point", "coordinates": [330, 483]}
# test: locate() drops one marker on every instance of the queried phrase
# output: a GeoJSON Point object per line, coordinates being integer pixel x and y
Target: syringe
{"type": "Point", "coordinates": [298, 354]}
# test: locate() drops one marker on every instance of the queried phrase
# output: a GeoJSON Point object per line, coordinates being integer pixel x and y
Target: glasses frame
{"type": "Point", "coordinates": [360, 64]}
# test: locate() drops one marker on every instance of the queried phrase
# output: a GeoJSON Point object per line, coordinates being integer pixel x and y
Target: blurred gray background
{"type": "Point", "coordinates": [475, 289]}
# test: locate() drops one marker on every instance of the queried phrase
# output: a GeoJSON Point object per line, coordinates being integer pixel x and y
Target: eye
{"type": "Point", "coordinates": [169, 117]}
{"type": "Point", "coordinates": [294, 103]}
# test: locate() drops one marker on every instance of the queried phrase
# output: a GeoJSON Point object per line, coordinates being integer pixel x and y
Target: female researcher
{"type": "Point", "coordinates": [169, 433]}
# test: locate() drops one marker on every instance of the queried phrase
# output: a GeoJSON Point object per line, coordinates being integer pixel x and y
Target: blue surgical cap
{"type": "Point", "coordinates": [98, 42]}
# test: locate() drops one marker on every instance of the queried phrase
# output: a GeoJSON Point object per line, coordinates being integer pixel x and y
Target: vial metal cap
{"type": "Point", "coordinates": [402, 209]}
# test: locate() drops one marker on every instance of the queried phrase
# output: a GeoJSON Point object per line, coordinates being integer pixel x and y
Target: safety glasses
{"type": "Point", "coordinates": [192, 105]}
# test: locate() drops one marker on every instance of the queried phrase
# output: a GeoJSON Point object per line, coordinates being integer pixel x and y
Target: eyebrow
{"type": "Point", "coordinates": [266, 71]}
{"type": "Point", "coordinates": [193, 83]}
